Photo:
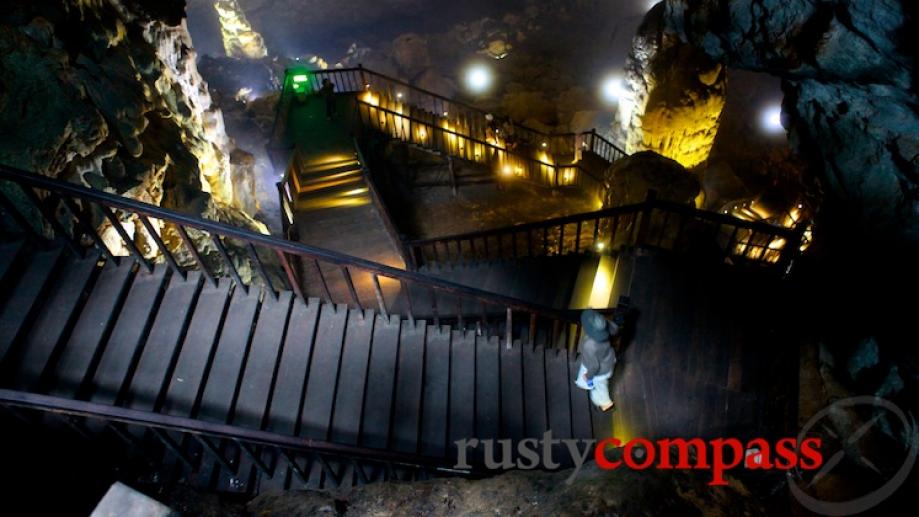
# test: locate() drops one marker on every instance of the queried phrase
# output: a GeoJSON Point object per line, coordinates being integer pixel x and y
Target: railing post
{"type": "Point", "coordinates": [645, 223]}
{"type": "Point", "coordinates": [793, 247]}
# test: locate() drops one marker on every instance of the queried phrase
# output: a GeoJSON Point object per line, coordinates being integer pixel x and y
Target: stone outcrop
{"type": "Point", "coordinates": [240, 40]}
{"type": "Point", "coordinates": [848, 71]}
{"type": "Point", "coordinates": [106, 93]}
{"type": "Point", "coordinates": [629, 180]}
{"type": "Point", "coordinates": [593, 492]}
{"type": "Point", "coordinates": [675, 95]}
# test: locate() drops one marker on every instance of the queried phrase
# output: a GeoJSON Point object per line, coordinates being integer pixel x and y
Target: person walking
{"type": "Point", "coordinates": [597, 358]}
{"type": "Point", "coordinates": [327, 91]}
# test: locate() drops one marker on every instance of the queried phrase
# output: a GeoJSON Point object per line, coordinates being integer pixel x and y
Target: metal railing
{"type": "Point", "coordinates": [524, 163]}
{"type": "Point", "coordinates": [652, 223]}
{"type": "Point", "coordinates": [83, 218]}
{"type": "Point", "coordinates": [474, 122]}
{"type": "Point", "coordinates": [270, 453]}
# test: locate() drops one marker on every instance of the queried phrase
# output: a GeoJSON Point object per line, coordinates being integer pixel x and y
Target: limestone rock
{"type": "Point", "coordinates": [675, 96]}
{"type": "Point", "coordinates": [116, 103]}
{"type": "Point", "coordinates": [848, 72]}
{"type": "Point", "coordinates": [594, 492]}
{"type": "Point", "coordinates": [629, 180]}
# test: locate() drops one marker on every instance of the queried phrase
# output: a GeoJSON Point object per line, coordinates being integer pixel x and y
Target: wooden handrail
{"type": "Point", "coordinates": [474, 140]}
{"type": "Point", "coordinates": [66, 189]}
{"type": "Point", "coordinates": [122, 415]}
{"type": "Point", "coordinates": [468, 107]}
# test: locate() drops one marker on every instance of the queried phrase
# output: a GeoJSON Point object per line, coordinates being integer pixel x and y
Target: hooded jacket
{"type": "Point", "coordinates": [598, 357]}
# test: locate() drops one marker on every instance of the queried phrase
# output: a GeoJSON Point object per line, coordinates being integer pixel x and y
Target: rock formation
{"type": "Point", "coordinates": [239, 39]}
{"type": "Point", "coordinates": [676, 94]}
{"type": "Point", "coordinates": [629, 180]}
{"type": "Point", "coordinates": [593, 492]}
{"type": "Point", "coordinates": [848, 71]}
{"type": "Point", "coordinates": [106, 93]}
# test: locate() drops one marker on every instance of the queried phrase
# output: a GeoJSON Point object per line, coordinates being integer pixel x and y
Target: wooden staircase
{"type": "Point", "coordinates": [337, 183]}
{"type": "Point", "coordinates": [107, 332]}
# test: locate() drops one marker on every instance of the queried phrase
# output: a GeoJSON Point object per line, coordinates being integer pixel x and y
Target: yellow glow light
{"type": "Point", "coordinates": [603, 283]}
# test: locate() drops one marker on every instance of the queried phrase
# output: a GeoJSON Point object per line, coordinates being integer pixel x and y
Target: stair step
{"type": "Point", "coordinates": [312, 175]}
{"type": "Point", "coordinates": [62, 305]}
{"type": "Point", "coordinates": [25, 296]}
{"type": "Point", "coordinates": [308, 205]}
{"type": "Point", "coordinates": [320, 167]}
{"type": "Point", "coordinates": [314, 179]}
{"type": "Point", "coordinates": [326, 185]}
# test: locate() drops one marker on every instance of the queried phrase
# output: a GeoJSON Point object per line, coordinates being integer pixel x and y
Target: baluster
{"type": "Point", "coordinates": [52, 220]}
{"type": "Point", "coordinates": [529, 242]}
{"type": "Point", "coordinates": [161, 246]}
{"type": "Point", "coordinates": [194, 253]}
{"type": "Point", "coordinates": [762, 251]}
{"type": "Point", "coordinates": [577, 238]}
{"type": "Point", "coordinates": [406, 288]}
{"type": "Point", "coordinates": [514, 242]}
{"type": "Point", "coordinates": [215, 452]}
{"type": "Point", "coordinates": [347, 274]}
{"type": "Point", "coordinates": [545, 241]}
{"type": "Point", "coordinates": [21, 221]}
{"type": "Point", "coordinates": [532, 336]}
{"type": "Point", "coordinates": [88, 228]}
{"type": "Point", "coordinates": [226, 258]}
{"type": "Point", "coordinates": [132, 247]}
{"type": "Point", "coordinates": [379, 294]}
{"type": "Point", "coordinates": [663, 233]}
{"type": "Point", "coordinates": [483, 321]}
{"type": "Point", "coordinates": [508, 331]}
{"type": "Point", "coordinates": [262, 272]}
{"type": "Point", "coordinates": [561, 239]}
{"type": "Point", "coordinates": [292, 278]}
{"type": "Point", "coordinates": [434, 306]}
{"type": "Point", "coordinates": [596, 240]}
{"type": "Point", "coordinates": [460, 324]}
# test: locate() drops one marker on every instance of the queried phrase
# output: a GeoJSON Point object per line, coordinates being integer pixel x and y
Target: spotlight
{"type": "Point", "coordinates": [771, 119]}
{"type": "Point", "coordinates": [478, 78]}
{"type": "Point", "coordinates": [614, 89]}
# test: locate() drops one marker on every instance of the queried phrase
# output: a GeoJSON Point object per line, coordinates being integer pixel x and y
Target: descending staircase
{"type": "Point", "coordinates": [243, 387]}
{"type": "Point", "coordinates": [111, 334]}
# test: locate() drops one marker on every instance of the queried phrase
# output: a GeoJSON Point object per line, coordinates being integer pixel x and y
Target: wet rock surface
{"type": "Point", "coordinates": [848, 72]}
{"type": "Point", "coordinates": [677, 95]}
{"type": "Point", "coordinates": [629, 180]}
{"type": "Point", "coordinates": [594, 492]}
{"type": "Point", "coordinates": [107, 94]}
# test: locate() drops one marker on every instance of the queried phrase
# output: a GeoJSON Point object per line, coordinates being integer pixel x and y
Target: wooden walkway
{"type": "Point", "coordinates": [90, 329]}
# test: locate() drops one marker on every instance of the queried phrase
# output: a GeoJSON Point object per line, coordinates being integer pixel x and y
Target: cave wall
{"type": "Point", "coordinates": [676, 94]}
{"type": "Point", "coordinates": [848, 73]}
{"type": "Point", "coordinates": [106, 93]}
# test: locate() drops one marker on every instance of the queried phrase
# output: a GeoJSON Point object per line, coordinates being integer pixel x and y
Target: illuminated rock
{"type": "Point", "coordinates": [239, 39]}
{"type": "Point", "coordinates": [119, 107]}
{"type": "Point", "coordinates": [629, 180]}
{"type": "Point", "coordinates": [674, 96]}
{"type": "Point", "coordinates": [849, 81]}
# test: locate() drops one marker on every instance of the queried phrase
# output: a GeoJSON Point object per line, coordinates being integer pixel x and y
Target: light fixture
{"type": "Point", "coordinates": [399, 95]}
{"type": "Point", "coordinates": [508, 170]}
{"type": "Point", "coordinates": [600, 246]}
{"type": "Point", "coordinates": [478, 78]}
{"type": "Point", "coordinates": [771, 119]}
{"type": "Point", "coordinates": [544, 145]}
{"type": "Point", "coordinates": [614, 89]}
